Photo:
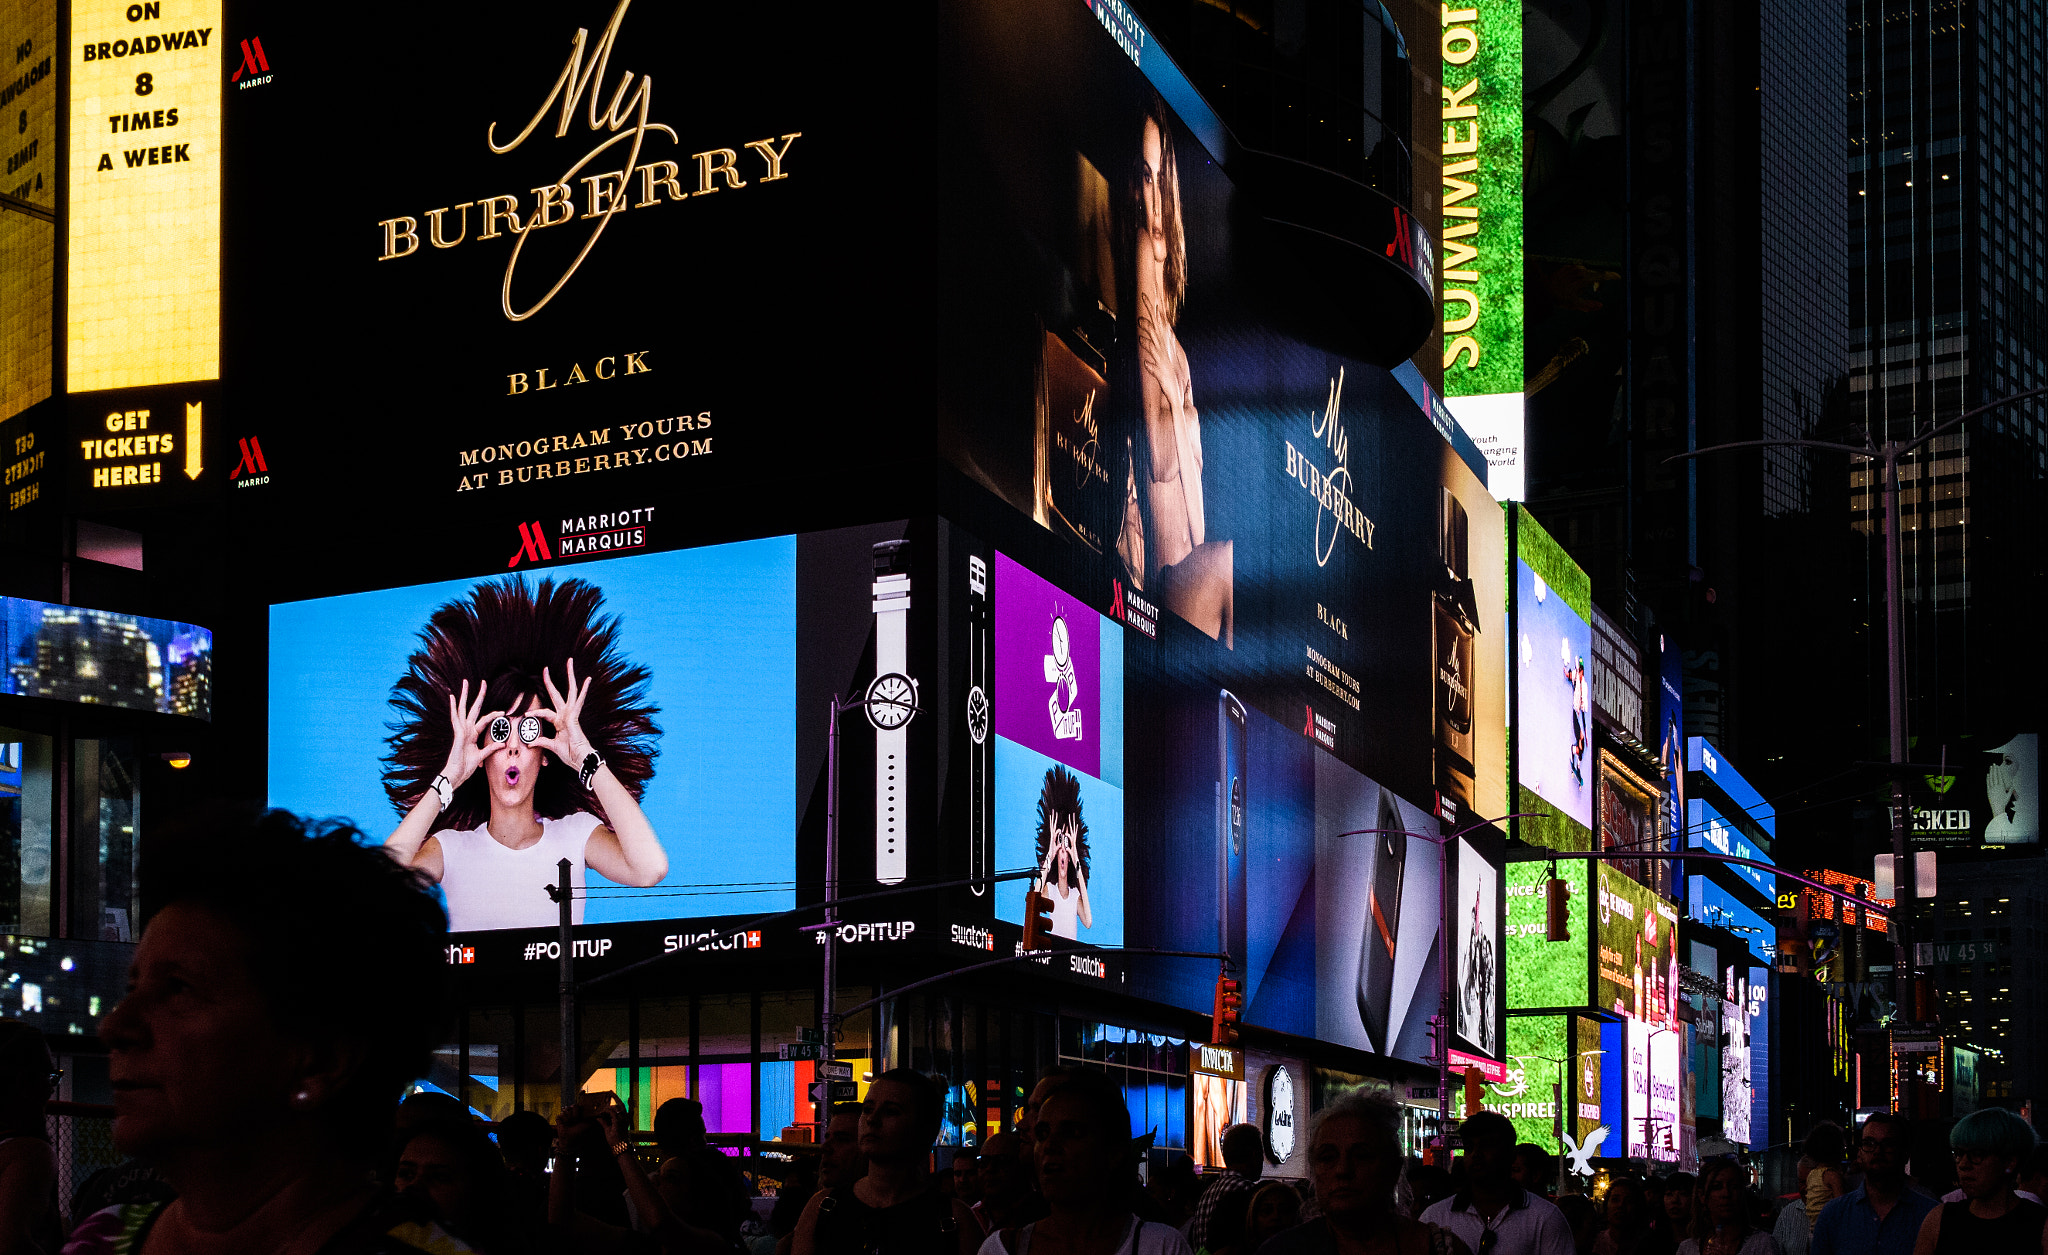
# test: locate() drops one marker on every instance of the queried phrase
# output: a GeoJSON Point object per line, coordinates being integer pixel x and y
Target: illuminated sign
{"type": "Point", "coordinates": [1211, 1060]}
{"type": "Point", "coordinates": [28, 242]}
{"type": "Point", "coordinates": [1543, 974]}
{"type": "Point", "coordinates": [143, 252]}
{"type": "Point", "coordinates": [99, 658]}
{"type": "Point", "coordinates": [1536, 1085]}
{"type": "Point", "coordinates": [1821, 906]}
{"type": "Point", "coordinates": [1708, 830]}
{"type": "Point", "coordinates": [1638, 933]}
{"type": "Point", "coordinates": [1482, 232]}
{"type": "Point", "coordinates": [145, 445]}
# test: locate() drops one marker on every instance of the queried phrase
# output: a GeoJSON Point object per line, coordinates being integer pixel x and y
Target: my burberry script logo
{"type": "Point", "coordinates": [606, 193]}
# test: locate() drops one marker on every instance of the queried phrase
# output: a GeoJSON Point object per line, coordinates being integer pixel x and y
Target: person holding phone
{"type": "Point", "coordinates": [1063, 860]}
{"type": "Point", "coordinates": [497, 786]}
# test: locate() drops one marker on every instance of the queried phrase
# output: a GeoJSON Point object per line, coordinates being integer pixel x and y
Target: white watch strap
{"type": "Point", "coordinates": [892, 613]}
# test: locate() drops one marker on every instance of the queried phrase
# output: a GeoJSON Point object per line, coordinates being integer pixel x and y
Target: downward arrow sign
{"type": "Point", "coordinates": [192, 443]}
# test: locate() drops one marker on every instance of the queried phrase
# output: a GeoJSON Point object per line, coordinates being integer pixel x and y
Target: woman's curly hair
{"type": "Point", "coordinates": [1061, 799]}
{"type": "Point", "coordinates": [502, 634]}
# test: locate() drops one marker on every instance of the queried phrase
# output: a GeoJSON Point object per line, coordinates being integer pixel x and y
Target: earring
{"type": "Point", "coordinates": [303, 1100]}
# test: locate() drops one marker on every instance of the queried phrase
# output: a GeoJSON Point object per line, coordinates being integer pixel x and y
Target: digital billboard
{"type": "Point", "coordinates": [142, 256]}
{"type": "Point", "coordinates": [1059, 804]}
{"type": "Point", "coordinates": [1708, 829]}
{"type": "Point", "coordinates": [1670, 742]}
{"type": "Point", "coordinates": [1735, 1061]}
{"type": "Point", "coordinates": [1553, 727]}
{"type": "Point", "coordinates": [1539, 1079]}
{"type": "Point", "coordinates": [1482, 232]}
{"type": "Point", "coordinates": [1271, 515]}
{"type": "Point", "coordinates": [1628, 821]}
{"type": "Point", "coordinates": [1543, 974]}
{"type": "Point", "coordinates": [73, 654]}
{"type": "Point", "coordinates": [1991, 800]}
{"type": "Point", "coordinates": [689, 659]}
{"type": "Point", "coordinates": [1477, 976]}
{"type": "Point", "coordinates": [1654, 1117]}
{"type": "Point", "coordinates": [1709, 903]}
{"type": "Point", "coordinates": [28, 252]}
{"type": "Point", "coordinates": [1638, 939]}
{"type": "Point", "coordinates": [1617, 680]}
{"type": "Point", "coordinates": [1702, 756]}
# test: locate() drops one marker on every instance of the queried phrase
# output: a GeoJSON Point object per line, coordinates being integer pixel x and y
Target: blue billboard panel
{"type": "Point", "coordinates": [1701, 756]}
{"type": "Point", "coordinates": [1708, 829]}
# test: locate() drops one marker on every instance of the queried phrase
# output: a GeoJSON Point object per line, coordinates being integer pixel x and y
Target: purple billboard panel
{"type": "Point", "coordinates": [1048, 669]}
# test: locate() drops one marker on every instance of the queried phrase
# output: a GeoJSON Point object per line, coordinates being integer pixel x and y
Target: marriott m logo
{"type": "Point", "coordinates": [253, 60]}
{"type": "Point", "coordinates": [252, 462]}
{"type": "Point", "coordinates": [533, 546]}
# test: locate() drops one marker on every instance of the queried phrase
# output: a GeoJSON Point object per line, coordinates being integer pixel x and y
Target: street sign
{"type": "Point", "coordinates": [834, 1091]}
{"type": "Point", "coordinates": [807, 1035]}
{"type": "Point", "coordinates": [797, 1050]}
{"type": "Point", "coordinates": [1954, 953]}
{"type": "Point", "coordinates": [1212, 1060]}
{"type": "Point", "coordinates": [834, 1070]}
{"type": "Point", "coordinates": [1916, 1046]}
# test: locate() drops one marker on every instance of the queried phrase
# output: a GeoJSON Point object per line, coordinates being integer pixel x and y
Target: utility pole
{"type": "Point", "coordinates": [1888, 455]}
{"type": "Point", "coordinates": [567, 990]}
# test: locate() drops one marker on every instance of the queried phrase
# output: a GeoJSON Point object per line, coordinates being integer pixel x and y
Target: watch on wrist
{"type": "Point", "coordinates": [591, 762]}
{"type": "Point", "coordinates": [622, 1147]}
{"type": "Point", "coordinates": [445, 791]}
{"type": "Point", "coordinates": [891, 701]}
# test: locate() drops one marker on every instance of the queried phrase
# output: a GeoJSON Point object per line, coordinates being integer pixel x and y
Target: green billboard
{"type": "Point", "coordinates": [1546, 975]}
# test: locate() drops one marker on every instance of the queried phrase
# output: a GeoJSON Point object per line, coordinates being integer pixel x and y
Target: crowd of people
{"type": "Point", "coordinates": [259, 1054]}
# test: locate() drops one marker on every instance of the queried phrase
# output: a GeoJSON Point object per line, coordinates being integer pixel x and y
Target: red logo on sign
{"type": "Point", "coordinates": [252, 462]}
{"type": "Point", "coordinates": [533, 546]}
{"type": "Point", "coordinates": [253, 60]}
{"type": "Point", "coordinates": [1308, 728]}
{"type": "Point", "coordinates": [754, 939]}
{"type": "Point", "coordinates": [1116, 600]}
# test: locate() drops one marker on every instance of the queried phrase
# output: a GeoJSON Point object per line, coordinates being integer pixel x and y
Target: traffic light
{"type": "Point", "coordinates": [1223, 1019]}
{"type": "Point", "coordinates": [1037, 919]}
{"type": "Point", "coordinates": [1557, 909]}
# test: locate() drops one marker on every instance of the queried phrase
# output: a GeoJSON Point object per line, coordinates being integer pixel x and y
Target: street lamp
{"type": "Point", "coordinates": [1889, 454]}
{"type": "Point", "coordinates": [890, 704]}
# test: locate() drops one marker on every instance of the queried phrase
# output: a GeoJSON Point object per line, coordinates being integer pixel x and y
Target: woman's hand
{"type": "Point", "coordinates": [467, 720]}
{"type": "Point", "coordinates": [569, 746]}
{"type": "Point", "coordinates": [612, 1123]}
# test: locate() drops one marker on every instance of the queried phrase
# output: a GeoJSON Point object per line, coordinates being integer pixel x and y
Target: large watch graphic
{"type": "Point", "coordinates": [891, 701]}
{"type": "Point", "coordinates": [980, 848]}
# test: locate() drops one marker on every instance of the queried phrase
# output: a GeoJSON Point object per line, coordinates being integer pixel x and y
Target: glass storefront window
{"type": "Point", "coordinates": [27, 770]}
{"type": "Point", "coordinates": [106, 793]}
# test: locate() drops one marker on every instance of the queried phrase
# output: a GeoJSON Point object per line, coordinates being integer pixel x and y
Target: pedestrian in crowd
{"type": "Point", "coordinates": [1219, 1213]}
{"type": "Point", "coordinates": [1990, 1220]}
{"type": "Point", "coordinates": [258, 1062]}
{"type": "Point", "coordinates": [526, 1140]}
{"type": "Point", "coordinates": [2033, 1181]}
{"type": "Point", "coordinates": [1790, 1230]}
{"type": "Point", "coordinates": [1883, 1215]}
{"type": "Point", "coordinates": [1629, 1211]}
{"type": "Point", "coordinates": [1724, 1215]}
{"type": "Point", "coordinates": [1671, 1208]}
{"type": "Point", "coordinates": [1584, 1218]}
{"type": "Point", "coordinates": [1824, 1181]}
{"type": "Point", "coordinates": [1354, 1155]}
{"type": "Point", "coordinates": [428, 1106]}
{"type": "Point", "coordinates": [586, 1184]}
{"type": "Point", "coordinates": [722, 1192]}
{"type": "Point", "coordinates": [895, 1208]}
{"type": "Point", "coordinates": [966, 1174]}
{"type": "Point", "coordinates": [1534, 1169]}
{"type": "Point", "coordinates": [1428, 1185]}
{"type": "Point", "coordinates": [1029, 1116]}
{"type": "Point", "coordinates": [453, 1170]}
{"type": "Point", "coordinates": [1490, 1213]}
{"type": "Point", "coordinates": [1175, 1190]}
{"type": "Point", "coordinates": [1009, 1193]}
{"type": "Point", "coordinates": [839, 1162]}
{"type": "Point", "coordinates": [29, 1218]}
{"type": "Point", "coordinates": [1083, 1157]}
{"type": "Point", "coordinates": [1274, 1208]}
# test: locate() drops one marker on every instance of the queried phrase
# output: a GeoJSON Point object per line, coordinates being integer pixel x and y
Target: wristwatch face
{"type": "Point", "coordinates": [892, 699]}
{"type": "Point", "coordinates": [501, 730]}
{"type": "Point", "coordinates": [529, 729]}
{"type": "Point", "coordinates": [977, 714]}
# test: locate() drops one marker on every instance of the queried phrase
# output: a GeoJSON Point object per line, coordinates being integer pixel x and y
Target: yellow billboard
{"type": "Point", "coordinates": [28, 236]}
{"type": "Point", "coordinates": [143, 237]}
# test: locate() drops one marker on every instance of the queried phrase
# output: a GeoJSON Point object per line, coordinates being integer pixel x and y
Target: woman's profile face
{"type": "Point", "coordinates": [1153, 174]}
{"type": "Point", "coordinates": [430, 1167]}
{"type": "Point", "coordinates": [196, 1059]}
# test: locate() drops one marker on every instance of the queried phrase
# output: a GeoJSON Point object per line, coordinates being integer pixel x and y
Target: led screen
{"type": "Point", "coordinates": [1539, 1079]}
{"type": "Point", "coordinates": [28, 253]}
{"type": "Point", "coordinates": [1638, 937]}
{"type": "Point", "coordinates": [72, 654]}
{"type": "Point", "coordinates": [702, 682]}
{"type": "Point", "coordinates": [1542, 973]}
{"type": "Point", "coordinates": [1708, 829]}
{"type": "Point", "coordinates": [1058, 710]}
{"type": "Point", "coordinates": [1553, 697]}
{"type": "Point", "coordinates": [1710, 903]}
{"type": "Point", "coordinates": [1478, 950]}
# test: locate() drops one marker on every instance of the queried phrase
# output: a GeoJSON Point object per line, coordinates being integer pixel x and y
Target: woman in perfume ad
{"type": "Point", "coordinates": [522, 739]}
{"type": "Point", "coordinates": [1063, 858]}
{"type": "Point", "coordinates": [1163, 539]}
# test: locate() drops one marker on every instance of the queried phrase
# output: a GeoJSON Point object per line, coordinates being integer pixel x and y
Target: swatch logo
{"type": "Point", "coordinates": [1088, 965]}
{"type": "Point", "coordinates": [974, 938]}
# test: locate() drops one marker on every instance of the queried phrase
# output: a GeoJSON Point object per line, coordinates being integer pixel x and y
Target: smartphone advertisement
{"type": "Point", "coordinates": [1059, 743]}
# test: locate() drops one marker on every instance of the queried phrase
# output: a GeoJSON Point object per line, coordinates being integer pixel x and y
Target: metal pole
{"type": "Point", "coordinates": [1443, 1010]}
{"type": "Point", "coordinates": [571, 1083]}
{"type": "Point", "coordinates": [1895, 657]}
{"type": "Point", "coordinates": [826, 1026]}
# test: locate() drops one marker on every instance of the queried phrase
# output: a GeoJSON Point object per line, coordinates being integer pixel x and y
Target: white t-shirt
{"type": "Point", "coordinates": [1066, 911]}
{"type": "Point", "coordinates": [1148, 1238]}
{"type": "Point", "coordinates": [491, 886]}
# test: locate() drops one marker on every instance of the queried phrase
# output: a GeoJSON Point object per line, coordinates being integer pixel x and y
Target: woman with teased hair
{"type": "Point", "coordinates": [496, 787]}
{"type": "Point", "coordinates": [1064, 862]}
